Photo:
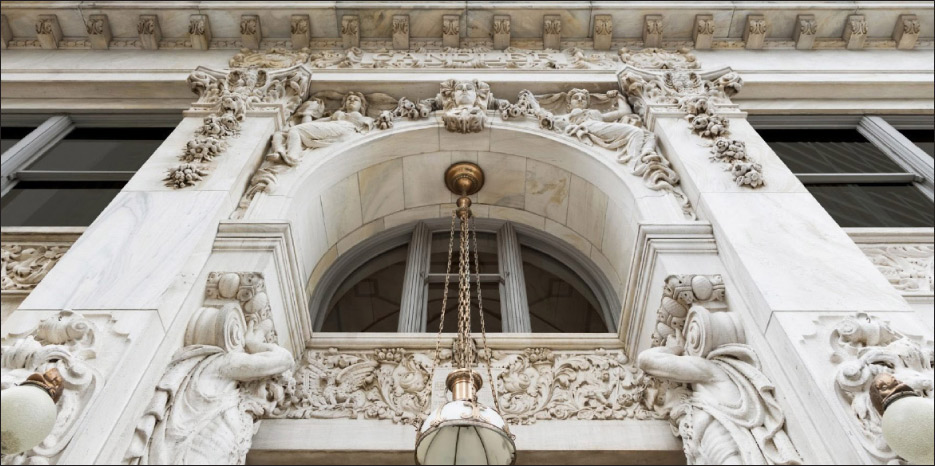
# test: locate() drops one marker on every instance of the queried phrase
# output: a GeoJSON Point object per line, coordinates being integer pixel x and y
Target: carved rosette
{"type": "Point", "coordinates": [67, 342]}
{"type": "Point", "coordinates": [533, 384]}
{"type": "Point", "coordinates": [864, 346]}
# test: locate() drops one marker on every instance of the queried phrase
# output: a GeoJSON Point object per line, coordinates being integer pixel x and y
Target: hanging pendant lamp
{"type": "Point", "coordinates": [463, 431]}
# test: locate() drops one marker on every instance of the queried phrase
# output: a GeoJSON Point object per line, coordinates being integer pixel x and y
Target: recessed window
{"type": "Point", "coordinates": [10, 135]}
{"type": "Point", "coordinates": [923, 138]}
{"type": "Point", "coordinates": [538, 289]}
{"type": "Point", "coordinates": [858, 183]}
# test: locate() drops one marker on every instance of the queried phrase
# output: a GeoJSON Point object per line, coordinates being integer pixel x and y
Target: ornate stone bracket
{"type": "Point", "coordinates": [228, 374]}
{"type": "Point", "coordinates": [864, 346]}
{"type": "Point", "coordinates": [68, 342]}
{"type": "Point", "coordinates": [718, 400]}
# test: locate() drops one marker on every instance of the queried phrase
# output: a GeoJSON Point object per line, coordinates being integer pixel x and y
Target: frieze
{"type": "Point", "coordinates": [910, 268]}
{"type": "Point", "coordinates": [533, 384]}
{"type": "Point", "coordinates": [24, 265]}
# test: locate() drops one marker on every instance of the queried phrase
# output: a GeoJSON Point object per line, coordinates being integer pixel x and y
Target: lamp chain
{"type": "Point", "coordinates": [441, 319]}
{"type": "Point", "coordinates": [483, 330]}
{"type": "Point", "coordinates": [464, 299]}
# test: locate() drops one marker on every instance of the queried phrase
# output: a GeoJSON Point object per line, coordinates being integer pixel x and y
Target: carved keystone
{"type": "Point", "coordinates": [501, 32]}
{"type": "Point", "coordinates": [703, 32]}
{"type": "Point", "coordinates": [652, 31]}
{"type": "Point", "coordinates": [98, 32]}
{"type": "Point", "coordinates": [805, 30]}
{"type": "Point", "coordinates": [603, 31]}
{"type": "Point", "coordinates": [906, 32]}
{"type": "Point", "coordinates": [451, 31]}
{"type": "Point", "coordinates": [199, 29]}
{"type": "Point", "coordinates": [48, 31]}
{"type": "Point", "coordinates": [552, 32]}
{"type": "Point", "coordinates": [401, 32]}
{"type": "Point", "coordinates": [754, 34]}
{"type": "Point", "coordinates": [350, 31]}
{"type": "Point", "coordinates": [150, 34]}
{"type": "Point", "coordinates": [250, 34]}
{"type": "Point", "coordinates": [855, 32]}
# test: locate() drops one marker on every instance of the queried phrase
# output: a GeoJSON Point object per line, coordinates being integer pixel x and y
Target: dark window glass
{"type": "Point", "coordinates": [924, 138]}
{"type": "Point", "coordinates": [369, 299]}
{"type": "Point", "coordinates": [490, 293]}
{"type": "Point", "coordinates": [879, 205]}
{"type": "Point", "coordinates": [486, 244]}
{"type": "Point", "coordinates": [559, 301]}
{"type": "Point", "coordinates": [56, 204]}
{"type": "Point", "coordinates": [828, 151]}
{"type": "Point", "coordinates": [10, 135]}
{"type": "Point", "coordinates": [102, 149]}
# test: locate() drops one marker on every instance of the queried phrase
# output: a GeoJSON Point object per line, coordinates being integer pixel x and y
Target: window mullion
{"type": "Point", "coordinates": [36, 143]}
{"type": "Point", "coordinates": [514, 309]}
{"type": "Point", "coordinates": [899, 148]}
{"type": "Point", "coordinates": [413, 311]}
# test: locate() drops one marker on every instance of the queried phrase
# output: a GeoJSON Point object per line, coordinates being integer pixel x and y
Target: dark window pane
{"type": "Point", "coordinates": [102, 149]}
{"type": "Point", "coordinates": [486, 244]}
{"type": "Point", "coordinates": [56, 204]}
{"type": "Point", "coordinates": [924, 138]}
{"type": "Point", "coordinates": [10, 135]}
{"type": "Point", "coordinates": [828, 151]}
{"type": "Point", "coordinates": [491, 299]}
{"type": "Point", "coordinates": [881, 205]}
{"type": "Point", "coordinates": [559, 301]}
{"type": "Point", "coordinates": [369, 299]}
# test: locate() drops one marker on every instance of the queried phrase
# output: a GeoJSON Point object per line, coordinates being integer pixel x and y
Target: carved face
{"type": "Point", "coordinates": [578, 100]}
{"type": "Point", "coordinates": [352, 103]}
{"type": "Point", "coordinates": [465, 93]}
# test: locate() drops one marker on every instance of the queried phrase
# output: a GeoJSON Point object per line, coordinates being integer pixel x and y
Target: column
{"type": "Point", "coordinates": [791, 270]}
{"type": "Point", "coordinates": [515, 309]}
{"type": "Point", "coordinates": [412, 311]}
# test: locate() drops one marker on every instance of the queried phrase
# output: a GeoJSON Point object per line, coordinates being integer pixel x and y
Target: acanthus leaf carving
{"type": "Point", "coordinates": [910, 268]}
{"type": "Point", "coordinates": [659, 59]}
{"type": "Point", "coordinates": [25, 265]}
{"type": "Point", "coordinates": [67, 342]}
{"type": "Point", "coordinates": [228, 374]}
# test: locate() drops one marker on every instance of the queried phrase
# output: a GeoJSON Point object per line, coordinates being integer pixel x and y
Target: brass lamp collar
{"type": "Point", "coordinates": [459, 383]}
{"type": "Point", "coordinates": [51, 381]}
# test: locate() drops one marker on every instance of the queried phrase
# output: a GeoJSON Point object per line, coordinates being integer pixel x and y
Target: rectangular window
{"type": "Point", "coordinates": [75, 179]}
{"type": "Point", "coordinates": [853, 179]}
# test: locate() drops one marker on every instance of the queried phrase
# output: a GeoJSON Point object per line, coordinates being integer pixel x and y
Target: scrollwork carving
{"type": "Point", "coordinates": [66, 342]}
{"type": "Point", "coordinates": [864, 346]}
{"type": "Point", "coordinates": [910, 268]}
{"type": "Point", "coordinates": [659, 59]}
{"type": "Point", "coordinates": [25, 265]}
{"type": "Point", "coordinates": [229, 373]}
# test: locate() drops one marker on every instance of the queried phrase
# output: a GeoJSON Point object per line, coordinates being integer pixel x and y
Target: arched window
{"type": "Point", "coordinates": [530, 282]}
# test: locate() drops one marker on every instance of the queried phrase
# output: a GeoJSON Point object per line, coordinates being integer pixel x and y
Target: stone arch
{"type": "Point", "coordinates": [341, 195]}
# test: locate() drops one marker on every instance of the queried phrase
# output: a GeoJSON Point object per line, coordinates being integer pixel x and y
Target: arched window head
{"type": "Point", "coordinates": [530, 282]}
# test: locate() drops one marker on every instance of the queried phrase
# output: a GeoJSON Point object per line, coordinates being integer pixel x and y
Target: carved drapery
{"type": "Point", "coordinates": [228, 374]}
{"type": "Point", "coordinates": [67, 342]}
{"type": "Point", "coordinates": [862, 347]}
{"type": "Point", "coordinates": [712, 388]}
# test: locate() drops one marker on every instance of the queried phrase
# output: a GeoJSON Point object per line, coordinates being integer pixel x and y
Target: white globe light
{"type": "Point", "coordinates": [27, 415]}
{"type": "Point", "coordinates": [457, 433]}
{"type": "Point", "coordinates": [908, 428]}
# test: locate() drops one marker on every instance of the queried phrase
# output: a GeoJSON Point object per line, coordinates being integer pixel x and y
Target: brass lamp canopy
{"type": "Point", "coordinates": [464, 178]}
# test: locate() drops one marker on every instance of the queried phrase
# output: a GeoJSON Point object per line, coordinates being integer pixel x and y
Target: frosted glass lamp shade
{"type": "Point", "coordinates": [457, 433]}
{"type": "Point", "coordinates": [908, 428]}
{"type": "Point", "coordinates": [28, 415]}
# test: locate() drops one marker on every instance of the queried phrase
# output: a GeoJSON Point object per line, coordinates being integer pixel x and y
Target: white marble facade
{"type": "Point", "coordinates": [307, 129]}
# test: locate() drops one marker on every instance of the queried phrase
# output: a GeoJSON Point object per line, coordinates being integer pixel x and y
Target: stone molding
{"type": "Point", "coordinates": [609, 34]}
{"type": "Point", "coordinates": [29, 253]}
{"type": "Point", "coordinates": [906, 257]}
